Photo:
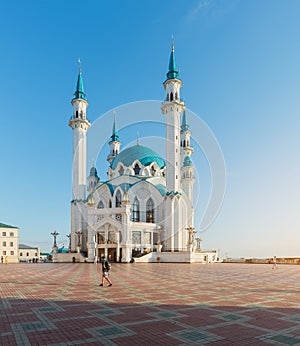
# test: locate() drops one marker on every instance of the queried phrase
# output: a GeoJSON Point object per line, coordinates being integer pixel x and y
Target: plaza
{"type": "Point", "coordinates": [151, 304]}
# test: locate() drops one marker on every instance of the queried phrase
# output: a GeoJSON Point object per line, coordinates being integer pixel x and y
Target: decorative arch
{"type": "Point", "coordinates": [150, 211]}
{"type": "Point", "coordinates": [118, 199]}
{"type": "Point", "coordinates": [101, 205]}
{"type": "Point", "coordinates": [137, 169]}
{"type": "Point", "coordinates": [121, 170]}
{"type": "Point", "coordinates": [153, 170]}
{"type": "Point", "coordinates": [135, 211]}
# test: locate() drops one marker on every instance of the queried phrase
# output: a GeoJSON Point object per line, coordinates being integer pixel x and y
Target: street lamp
{"type": "Point", "coordinates": [79, 234]}
{"type": "Point", "coordinates": [55, 234]}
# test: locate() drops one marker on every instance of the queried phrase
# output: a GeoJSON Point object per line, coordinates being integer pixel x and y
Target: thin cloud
{"type": "Point", "coordinates": [200, 8]}
{"type": "Point", "coordinates": [210, 8]}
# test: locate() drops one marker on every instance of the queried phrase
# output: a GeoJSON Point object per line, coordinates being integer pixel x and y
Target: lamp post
{"type": "Point", "coordinates": [191, 231]}
{"type": "Point", "coordinates": [55, 234]}
{"type": "Point", "coordinates": [79, 234]}
{"type": "Point", "coordinates": [198, 240]}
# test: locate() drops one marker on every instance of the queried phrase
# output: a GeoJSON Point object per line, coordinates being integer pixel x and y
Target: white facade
{"type": "Point", "coordinates": [9, 243]}
{"type": "Point", "coordinates": [146, 203]}
{"type": "Point", "coordinates": [28, 253]}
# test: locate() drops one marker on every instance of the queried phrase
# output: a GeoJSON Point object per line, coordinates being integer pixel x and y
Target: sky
{"type": "Point", "coordinates": [239, 63]}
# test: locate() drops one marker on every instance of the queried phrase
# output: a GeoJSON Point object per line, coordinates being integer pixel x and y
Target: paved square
{"type": "Point", "coordinates": [151, 304]}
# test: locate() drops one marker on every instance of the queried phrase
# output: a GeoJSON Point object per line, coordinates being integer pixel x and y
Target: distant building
{"type": "Point", "coordinates": [28, 253]}
{"type": "Point", "coordinates": [9, 243]}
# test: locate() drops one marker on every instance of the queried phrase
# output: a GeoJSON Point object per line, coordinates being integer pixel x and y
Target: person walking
{"type": "Point", "coordinates": [105, 269]}
{"type": "Point", "coordinates": [274, 265]}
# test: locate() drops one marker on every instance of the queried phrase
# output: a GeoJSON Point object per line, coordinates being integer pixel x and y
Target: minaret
{"type": "Point", "coordinates": [185, 139]}
{"type": "Point", "coordinates": [114, 143]}
{"type": "Point", "coordinates": [79, 125]}
{"type": "Point", "coordinates": [93, 179]}
{"type": "Point", "coordinates": [172, 107]}
{"type": "Point", "coordinates": [187, 168]}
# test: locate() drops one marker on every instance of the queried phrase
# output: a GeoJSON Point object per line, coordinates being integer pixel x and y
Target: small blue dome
{"type": "Point", "coordinates": [145, 155]}
{"type": "Point", "coordinates": [187, 162]}
{"type": "Point", "coordinates": [93, 172]}
{"type": "Point", "coordinates": [63, 250]}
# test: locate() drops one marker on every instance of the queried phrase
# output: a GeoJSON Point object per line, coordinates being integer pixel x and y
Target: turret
{"type": "Point", "coordinates": [93, 179]}
{"type": "Point", "coordinates": [114, 143]}
{"type": "Point", "coordinates": [185, 139]}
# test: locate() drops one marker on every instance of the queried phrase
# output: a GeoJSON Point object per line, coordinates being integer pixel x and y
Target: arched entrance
{"type": "Point", "coordinates": [108, 241]}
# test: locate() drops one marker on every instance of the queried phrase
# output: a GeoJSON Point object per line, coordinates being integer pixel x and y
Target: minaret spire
{"type": "Point", "coordinates": [114, 143]}
{"type": "Point", "coordinates": [115, 135]}
{"type": "Point", "coordinates": [173, 71]}
{"type": "Point", "coordinates": [79, 93]}
{"type": "Point", "coordinates": [184, 125]}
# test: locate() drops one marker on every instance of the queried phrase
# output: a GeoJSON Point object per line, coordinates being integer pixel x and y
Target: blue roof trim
{"type": "Point", "coordinates": [187, 162]}
{"type": "Point", "coordinates": [145, 155]}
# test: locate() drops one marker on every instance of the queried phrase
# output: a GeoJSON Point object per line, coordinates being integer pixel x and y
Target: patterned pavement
{"type": "Point", "coordinates": [152, 304]}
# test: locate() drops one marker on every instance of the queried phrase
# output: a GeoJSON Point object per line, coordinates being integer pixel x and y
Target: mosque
{"type": "Point", "coordinates": [143, 211]}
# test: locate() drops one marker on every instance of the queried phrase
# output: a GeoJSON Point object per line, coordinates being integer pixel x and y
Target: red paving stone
{"type": "Point", "coordinates": [153, 304]}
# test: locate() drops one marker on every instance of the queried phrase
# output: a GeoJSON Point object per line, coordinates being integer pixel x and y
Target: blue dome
{"type": "Point", "coordinates": [93, 172]}
{"type": "Point", "coordinates": [145, 155]}
{"type": "Point", "coordinates": [187, 162]}
{"type": "Point", "coordinates": [63, 250]}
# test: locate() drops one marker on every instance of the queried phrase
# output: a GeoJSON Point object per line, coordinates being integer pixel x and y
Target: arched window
{"type": "Point", "coordinates": [135, 213]}
{"type": "Point", "coordinates": [176, 96]}
{"type": "Point", "coordinates": [136, 169]}
{"type": "Point", "coordinates": [171, 97]}
{"type": "Point", "coordinates": [118, 199]}
{"type": "Point", "coordinates": [121, 170]}
{"type": "Point", "coordinates": [153, 171]}
{"type": "Point", "coordinates": [110, 204]}
{"type": "Point", "coordinates": [100, 205]}
{"type": "Point", "coordinates": [167, 97]}
{"type": "Point", "coordinates": [76, 116]}
{"type": "Point", "coordinates": [150, 211]}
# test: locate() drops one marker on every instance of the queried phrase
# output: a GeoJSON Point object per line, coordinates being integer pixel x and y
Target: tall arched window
{"type": "Point", "coordinates": [171, 97]}
{"type": "Point", "coordinates": [136, 169]}
{"type": "Point", "coordinates": [153, 171]}
{"type": "Point", "coordinates": [118, 199]}
{"type": "Point", "coordinates": [121, 170]}
{"type": "Point", "coordinates": [135, 214]}
{"type": "Point", "coordinates": [150, 211]}
{"type": "Point", "coordinates": [100, 205]}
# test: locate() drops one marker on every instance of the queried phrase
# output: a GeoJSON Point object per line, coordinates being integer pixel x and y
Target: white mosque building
{"type": "Point", "coordinates": [144, 209]}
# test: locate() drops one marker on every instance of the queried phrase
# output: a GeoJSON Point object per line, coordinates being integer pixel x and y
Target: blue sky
{"type": "Point", "coordinates": [239, 62]}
